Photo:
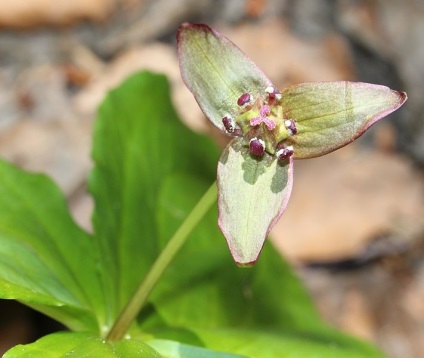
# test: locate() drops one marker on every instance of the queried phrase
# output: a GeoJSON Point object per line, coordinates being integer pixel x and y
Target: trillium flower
{"type": "Point", "coordinates": [269, 129]}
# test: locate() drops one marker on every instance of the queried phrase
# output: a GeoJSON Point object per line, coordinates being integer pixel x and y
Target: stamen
{"type": "Point", "coordinates": [291, 126]}
{"type": "Point", "coordinates": [285, 153]}
{"type": "Point", "coordinates": [229, 124]}
{"type": "Point", "coordinates": [244, 99]}
{"type": "Point", "coordinates": [257, 146]}
{"type": "Point", "coordinates": [273, 93]}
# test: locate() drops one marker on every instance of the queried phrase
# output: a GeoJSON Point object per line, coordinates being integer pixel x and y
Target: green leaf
{"type": "Point", "coordinates": [138, 141]}
{"type": "Point", "coordinates": [329, 115]}
{"type": "Point", "coordinates": [216, 71]}
{"type": "Point", "coordinates": [46, 260]}
{"type": "Point", "coordinates": [206, 300]}
{"type": "Point", "coordinates": [203, 287]}
{"type": "Point", "coordinates": [252, 195]}
{"type": "Point", "coordinates": [288, 344]}
{"type": "Point", "coordinates": [172, 349]}
{"type": "Point", "coordinates": [81, 345]}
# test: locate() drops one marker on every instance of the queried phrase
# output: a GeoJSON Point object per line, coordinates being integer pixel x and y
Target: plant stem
{"type": "Point", "coordinates": [137, 301]}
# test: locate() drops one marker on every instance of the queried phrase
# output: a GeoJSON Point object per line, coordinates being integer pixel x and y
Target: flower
{"type": "Point", "coordinates": [270, 129]}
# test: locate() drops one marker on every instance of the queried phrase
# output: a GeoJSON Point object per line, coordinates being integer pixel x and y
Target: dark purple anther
{"type": "Point", "coordinates": [273, 93]}
{"type": "Point", "coordinates": [291, 127]}
{"type": "Point", "coordinates": [285, 153]}
{"type": "Point", "coordinates": [244, 99]}
{"type": "Point", "coordinates": [257, 147]}
{"type": "Point", "coordinates": [229, 124]}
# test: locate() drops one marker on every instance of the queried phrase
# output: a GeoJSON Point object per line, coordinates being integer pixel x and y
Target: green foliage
{"type": "Point", "coordinates": [46, 260]}
{"type": "Point", "coordinates": [149, 172]}
{"type": "Point", "coordinates": [81, 345]}
{"type": "Point", "coordinates": [138, 142]}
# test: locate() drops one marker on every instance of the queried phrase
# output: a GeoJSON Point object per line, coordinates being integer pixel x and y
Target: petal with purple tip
{"type": "Point", "coordinates": [216, 71]}
{"type": "Point", "coordinates": [252, 195]}
{"type": "Point", "coordinates": [329, 115]}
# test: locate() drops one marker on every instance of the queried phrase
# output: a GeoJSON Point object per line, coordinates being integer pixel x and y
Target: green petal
{"type": "Point", "coordinates": [329, 115]}
{"type": "Point", "coordinates": [252, 195]}
{"type": "Point", "coordinates": [216, 71]}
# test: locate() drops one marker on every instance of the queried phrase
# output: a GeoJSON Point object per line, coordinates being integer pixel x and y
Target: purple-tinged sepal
{"type": "Point", "coordinates": [252, 195]}
{"type": "Point", "coordinates": [217, 72]}
{"type": "Point", "coordinates": [329, 115]}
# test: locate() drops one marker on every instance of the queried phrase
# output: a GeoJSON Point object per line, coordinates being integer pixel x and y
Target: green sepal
{"type": "Point", "coordinates": [329, 115]}
{"type": "Point", "coordinates": [252, 195]}
{"type": "Point", "coordinates": [216, 71]}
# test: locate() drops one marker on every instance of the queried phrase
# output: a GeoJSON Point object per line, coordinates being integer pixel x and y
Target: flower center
{"type": "Point", "coordinates": [263, 118]}
{"type": "Point", "coordinates": [262, 124]}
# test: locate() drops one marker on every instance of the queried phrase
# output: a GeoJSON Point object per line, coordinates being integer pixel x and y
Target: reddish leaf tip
{"type": "Point", "coordinates": [246, 264]}
{"type": "Point", "coordinates": [403, 96]}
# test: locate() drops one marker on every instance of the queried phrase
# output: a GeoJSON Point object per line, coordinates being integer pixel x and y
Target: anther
{"type": "Point", "coordinates": [285, 152]}
{"type": "Point", "coordinates": [244, 99]}
{"type": "Point", "coordinates": [257, 147]}
{"type": "Point", "coordinates": [291, 126]}
{"type": "Point", "coordinates": [273, 93]}
{"type": "Point", "coordinates": [229, 124]}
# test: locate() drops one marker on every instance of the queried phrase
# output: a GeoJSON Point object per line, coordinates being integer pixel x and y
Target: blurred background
{"type": "Point", "coordinates": [354, 228]}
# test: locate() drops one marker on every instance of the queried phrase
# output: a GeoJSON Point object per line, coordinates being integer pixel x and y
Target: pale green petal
{"type": "Point", "coordinates": [252, 195]}
{"type": "Point", "coordinates": [329, 115]}
{"type": "Point", "coordinates": [216, 71]}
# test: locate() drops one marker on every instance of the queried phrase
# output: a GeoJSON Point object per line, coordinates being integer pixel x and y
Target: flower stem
{"type": "Point", "coordinates": [137, 301]}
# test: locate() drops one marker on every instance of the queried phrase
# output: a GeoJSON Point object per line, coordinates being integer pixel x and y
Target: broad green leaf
{"type": "Point", "coordinates": [216, 71]}
{"type": "Point", "coordinates": [203, 287]}
{"type": "Point", "coordinates": [138, 141]}
{"type": "Point", "coordinates": [288, 344]}
{"type": "Point", "coordinates": [203, 294]}
{"type": "Point", "coordinates": [252, 195]}
{"type": "Point", "coordinates": [172, 349]}
{"type": "Point", "coordinates": [46, 260]}
{"type": "Point", "coordinates": [329, 115]}
{"type": "Point", "coordinates": [81, 345]}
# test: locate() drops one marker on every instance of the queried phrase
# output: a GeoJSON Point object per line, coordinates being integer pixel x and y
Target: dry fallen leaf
{"type": "Point", "coordinates": [24, 13]}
